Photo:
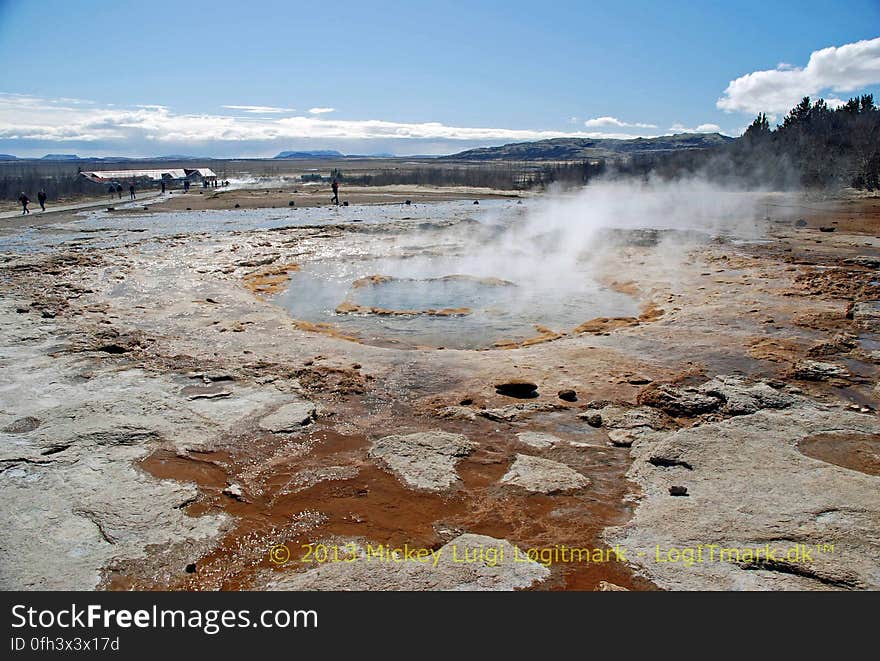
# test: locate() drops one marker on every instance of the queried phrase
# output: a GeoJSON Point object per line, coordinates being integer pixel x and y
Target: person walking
{"type": "Point", "coordinates": [41, 198]}
{"type": "Point", "coordinates": [24, 200]}
{"type": "Point", "coordinates": [112, 190]}
{"type": "Point", "coordinates": [163, 187]}
{"type": "Point", "coordinates": [131, 194]}
{"type": "Point", "coordinates": [119, 190]}
{"type": "Point", "coordinates": [335, 187]}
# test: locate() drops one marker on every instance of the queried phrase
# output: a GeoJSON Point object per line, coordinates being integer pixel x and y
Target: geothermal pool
{"type": "Point", "coordinates": [435, 303]}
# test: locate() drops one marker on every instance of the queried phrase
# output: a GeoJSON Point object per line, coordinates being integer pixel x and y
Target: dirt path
{"type": "Point", "coordinates": [38, 217]}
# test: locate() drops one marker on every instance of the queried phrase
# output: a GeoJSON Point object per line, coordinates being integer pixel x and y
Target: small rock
{"type": "Point", "coordinates": [678, 491]}
{"type": "Point", "coordinates": [684, 402]}
{"type": "Point", "coordinates": [210, 394]}
{"type": "Point", "coordinates": [605, 586]}
{"type": "Point", "coordinates": [537, 439]}
{"type": "Point", "coordinates": [593, 418]}
{"type": "Point", "coordinates": [289, 418]}
{"type": "Point", "coordinates": [457, 413]}
{"type": "Point", "coordinates": [841, 343]}
{"type": "Point", "coordinates": [218, 376]}
{"type": "Point", "coordinates": [620, 417]}
{"type": "Point", "coordinates": [234, 491]}
{"type": "Point", "coordinates": [864, 260]}
{"type": "Point", "coordinates": [743, 398]}
{"type": "Point", "coordinates": [516, 411]}
{"type": "Point", "coordinates": [543, 475]}
{"type": "Point", "coordinates": [624, 438]}
{"type": "Point", "coordinates": [22, 425]}
{"type": "Point", "coordinates": [866, 314]}
{"type": "Point", "coordinates": [567, 395]}
{"type": "Point", "coordinates": [813, 370]}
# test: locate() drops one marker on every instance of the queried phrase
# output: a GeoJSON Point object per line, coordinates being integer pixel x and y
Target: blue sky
{"type": "Point", "coordinates": [232, 78]}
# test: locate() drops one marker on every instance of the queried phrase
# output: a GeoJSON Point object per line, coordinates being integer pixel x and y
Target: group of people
{"type": "Point", "coordinates": [206, 183]}
{"type": "Point", "coordinates": [24, 200]}
{"type": "Point", "coordinates": [116, 187]}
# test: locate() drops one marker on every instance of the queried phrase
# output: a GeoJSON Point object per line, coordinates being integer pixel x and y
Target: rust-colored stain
{"type": "Point", "coordinates": [354, 498]}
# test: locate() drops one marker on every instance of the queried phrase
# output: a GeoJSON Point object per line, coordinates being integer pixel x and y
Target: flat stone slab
{"type": "Point", "coordinates": [289, 418]}
{"type": "Point", "coordinates": [749, 486]}
{"type": "Point", "coordinates": [620, 417]}
{"type": "Point", "coordinates": [866, 314]}
{"type": "Point", "coordinates": [424, 460]}
{"type": "Point", "coordinates": [539, 440]}
{"type": "Point", "coordinates": [467, 563]}
{"type": "Point", "coordinates": [543, 475]}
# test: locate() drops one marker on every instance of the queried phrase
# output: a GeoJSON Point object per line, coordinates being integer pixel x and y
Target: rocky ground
{"type": "Point", "coordinates": [165, 425]}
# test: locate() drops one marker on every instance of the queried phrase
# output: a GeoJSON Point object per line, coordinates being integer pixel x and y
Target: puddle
{"type": "Point", "coordinates": [858, 452]}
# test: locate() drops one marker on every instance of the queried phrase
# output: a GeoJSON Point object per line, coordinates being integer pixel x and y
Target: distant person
{"type": "Point", "coordinates": [119, 190]}
{"type": "Point", "coordinates": [112, 190]}
{"type": "Point", "coordinates": [131, 195]}
{"type": "Point", "coordinates": [163, 187]}
{"type": "Point", "coordinates": [41, 198]}
{"type": "Point", "coordinates": [24, 200]}
{"type": "Point", "coordinates": [335, 187]}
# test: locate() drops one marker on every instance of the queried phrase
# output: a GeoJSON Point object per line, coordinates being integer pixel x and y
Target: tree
{"type": "Point", "coordinates": [758, 129]}
{"type": "Point", "coordinates": [798, 115]}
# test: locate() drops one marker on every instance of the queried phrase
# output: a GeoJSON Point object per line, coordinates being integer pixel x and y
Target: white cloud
{"type": "Point", "coordinates": [600, 122]}
{"type": "Point", "coordinates": [260, 110]}
{"type": "Point", "coordinates": [25, 117]}
{"type": "Point", "coordinates": [702, 128]}
{"type": "Point", "coordinates": [839, 69]}
{"type": "Point", "coordinates": [321, 111]}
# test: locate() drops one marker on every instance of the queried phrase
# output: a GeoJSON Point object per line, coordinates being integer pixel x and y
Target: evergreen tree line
{"type": "Point", "coordinates": [815, 146]}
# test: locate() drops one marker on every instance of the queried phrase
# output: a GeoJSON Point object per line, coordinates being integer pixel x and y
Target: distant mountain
{"type": "Point", "coordinates": [321, 153]}
{"type": "Point", "coordinates": [379, 155]}
{"type": "Point", "coordinates": [61, 157]}
{"type": "Point", "coordinates": [573, 149]}
{"type": "Point", "coordinates": [8, 157]}
{"type": "Point", "coordinates": [174, 157]}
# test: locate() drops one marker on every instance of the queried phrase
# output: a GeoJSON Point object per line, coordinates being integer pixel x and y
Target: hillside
{"type": "Point", "coordinates": [565, 149]}
{"type": "Point", "coordinates": [322, 153]}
